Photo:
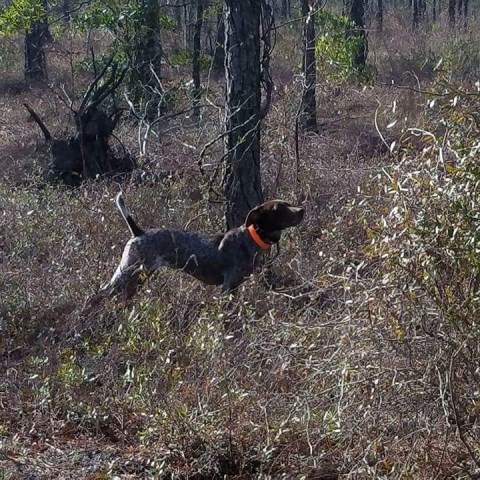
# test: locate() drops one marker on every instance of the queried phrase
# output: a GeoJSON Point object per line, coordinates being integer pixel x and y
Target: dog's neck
{"type": "Point", "coordinates": [261, 241]}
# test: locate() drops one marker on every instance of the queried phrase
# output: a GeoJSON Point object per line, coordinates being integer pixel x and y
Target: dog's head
{"type": "Point", "coordinates": [271, 217]}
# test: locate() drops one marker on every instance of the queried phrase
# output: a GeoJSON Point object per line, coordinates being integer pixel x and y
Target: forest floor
{"type": "Point", "coordinates": [307, 372]}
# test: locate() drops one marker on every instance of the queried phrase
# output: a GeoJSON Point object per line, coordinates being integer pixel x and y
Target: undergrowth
{"type": "Point", "coordinates": [355, 355]}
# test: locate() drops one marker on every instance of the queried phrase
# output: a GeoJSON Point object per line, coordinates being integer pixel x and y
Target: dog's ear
{"type": "Point", "coordinates": [254, 216]}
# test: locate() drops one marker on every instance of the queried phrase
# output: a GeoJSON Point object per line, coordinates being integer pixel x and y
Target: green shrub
{"type": "Point", "coordinates": [462, 55]}
{"type": "Point", "coordinates": [19, 15]}
{"type": "Point", "coordinates": [430, 236]}
{"type": "Point", "coordinates": [335, 49]}
{"type": "Point", "coordinates": [425, 249]}
{"type": "Point", "coordinates": [118, 17]}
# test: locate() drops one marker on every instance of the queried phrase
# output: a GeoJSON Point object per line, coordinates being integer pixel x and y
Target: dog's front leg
{"type": "Point", "coordinates": [129, 273]}
{"type": "Point", "coordinates": [232, 280]}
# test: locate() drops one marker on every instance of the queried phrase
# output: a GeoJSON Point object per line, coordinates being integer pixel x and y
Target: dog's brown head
{"type": "Point", "coordinates": [271, 217]}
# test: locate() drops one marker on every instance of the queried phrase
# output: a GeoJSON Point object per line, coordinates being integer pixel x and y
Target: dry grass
{"type": "Point", "coordinates": [303, 376]}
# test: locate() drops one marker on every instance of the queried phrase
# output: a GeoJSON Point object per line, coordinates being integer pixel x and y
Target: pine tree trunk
{"type": "Point", "coordinates": [197, 92]}
{"type": "Point", "coordinates": [357, 16]}
{"type": "Point", "coordinates": [219, 55]}
{"type": "Point", "coordinates": [147, 57]}
{"type": "Point", "coordinates": [35, 40]}
{"type": "Point", "coordinates": [416, 14]}
{"type": "Point", "coordinates": [380, 15]}
{"type": "Point", "coordinates": [242, 181]}
{"type": "Point", "coordinates": [451, 12]}
{"type": "Point", "coordinates": [465, 13]}
{"type": "Point", "coordinates": [308, 113]}
{"type": "Point", "coordinates": [286, 6]}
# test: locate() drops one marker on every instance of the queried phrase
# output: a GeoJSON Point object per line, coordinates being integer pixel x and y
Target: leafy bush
{"type": "Point", "coordinates": [118, 17]}
{"type": "Point", "coordinates": [183, 58]}
{"type": "Point", "coordinates": [425, 248]}
{"type": "Point", "coordinates": [420, 60]}
{"type": "Point", "coordinates": [19, 15]}
{"type": "Point", "coordinates": [430, 235]}
{"type": "Point", "coordinates": [462, 55]}
{"type": "Point", "coordinates": [335, 50]}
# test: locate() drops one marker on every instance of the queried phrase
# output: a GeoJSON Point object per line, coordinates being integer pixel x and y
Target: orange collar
{"type": "Point", "coordinates": [257, 240]}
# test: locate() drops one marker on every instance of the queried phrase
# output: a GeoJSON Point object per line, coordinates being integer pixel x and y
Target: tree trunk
{"type": "Point", "coordinates": [380, 15]}
{"type": "Point", "coordinates": [177, 13]}
{"type": "Point", "coordinates": [416, 14]}
{"type": "Point", "coordinates": [434, 11]}
{"type": "Point", "coordinates": [465, 13]}
{"type": "Point", "coordinates": [147, 57]}
{"type": "Point", "coordinates": [422, 9]}
{"type": "Point", "coordinates": [188, 14]}
{"type": "Point", "coordinates": [219, 55]}
{"type": "Point", "coordinates": [308, 112]}
{"type": "Point", "coordinates": [35, 40]}
{"type": "Point", "coordinates": [242, 181]}
{"type": "Point", "coordinates": [197, 92]}
{"type": "Point", "coordinates": [286, 6]}
{"type": "Point", "coordinates": [357, 16]}
{"type": "Point", "coordinates": [451, 12]}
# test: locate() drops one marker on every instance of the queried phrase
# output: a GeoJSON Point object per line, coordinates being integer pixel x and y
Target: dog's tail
{"type": "Point", "coordinates": [133, 227]}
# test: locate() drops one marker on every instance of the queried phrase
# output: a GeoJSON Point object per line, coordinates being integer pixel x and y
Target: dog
{"type": "Point", "coordinates": [225, 259]}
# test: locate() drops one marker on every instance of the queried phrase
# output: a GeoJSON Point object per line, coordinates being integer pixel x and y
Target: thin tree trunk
{"type": "Point", "coordinates": [189, 12]}
{"type": "Point", "coordinates": [219, 55]}
{"type": "Point", "coordinates": [380, 15]}
{"type": "Point", "coordinates": [35, 40]}
{"type": "Point", "coordinates": [357, 16]}
{"type": "Point", "coordinates": [423, 10]}
{"type": "Point", "coordinates": [415, 15]}
{"type": "Point", "coordinates": [308, 112]}
{"type": "Point", "coordinates": [197, 92]}
{"type": "Point", "coordinates": [147, 57]}
{"type": "Point", "coordinates": [242, 180]}
{"type": "Point", "coordinates": [465, 13]}
{"type": "Point", "coordinates": [451, 12]}
{"type": "Point", "coordinates": [434, 11]}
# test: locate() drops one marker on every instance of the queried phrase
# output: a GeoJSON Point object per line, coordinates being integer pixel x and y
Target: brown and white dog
{"type": "Point", "coordinates": [224, 259]}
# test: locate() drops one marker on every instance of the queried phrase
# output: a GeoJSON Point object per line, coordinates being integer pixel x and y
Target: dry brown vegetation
{"type": "Point", "coordinates": [346, 363]}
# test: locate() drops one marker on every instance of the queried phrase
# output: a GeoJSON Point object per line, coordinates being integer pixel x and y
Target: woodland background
{"type": "Point", "coordinates": [355, 354]}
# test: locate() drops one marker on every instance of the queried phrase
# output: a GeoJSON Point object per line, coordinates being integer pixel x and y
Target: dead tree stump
{"type": "Point", "coordinates": [87, 153]}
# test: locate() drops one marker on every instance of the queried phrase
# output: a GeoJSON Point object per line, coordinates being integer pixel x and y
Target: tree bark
{"type": "Point", "coordinates": [451, 12]}
{"type": "Point", "coordinates": [188, 14]}
{"type": "Point", "coordinates": [242, 180]}
{"type": "Point", "coordinates": [147, 57]}
{"type": "Point", "coordinates": [286, 7]}
{"type": "Point", "coordinates": [357, 16]}
{"type": "Point", "coordinates": [308, 112]}
{"type": "Point", "coordinates": [460, 7]}
{"type": "Point", "coordinates": [416, 14]}
{"type": "Point", "coordinates": [35, 40]}
{"type": "Point", "coordinates": [465, 13]}
{"type": "Point", "coordinates": [197, 92]}
{"type": "Point", "coordinates": [380, 15]}
{"type": "Point", "coordinates": [219, 55]}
